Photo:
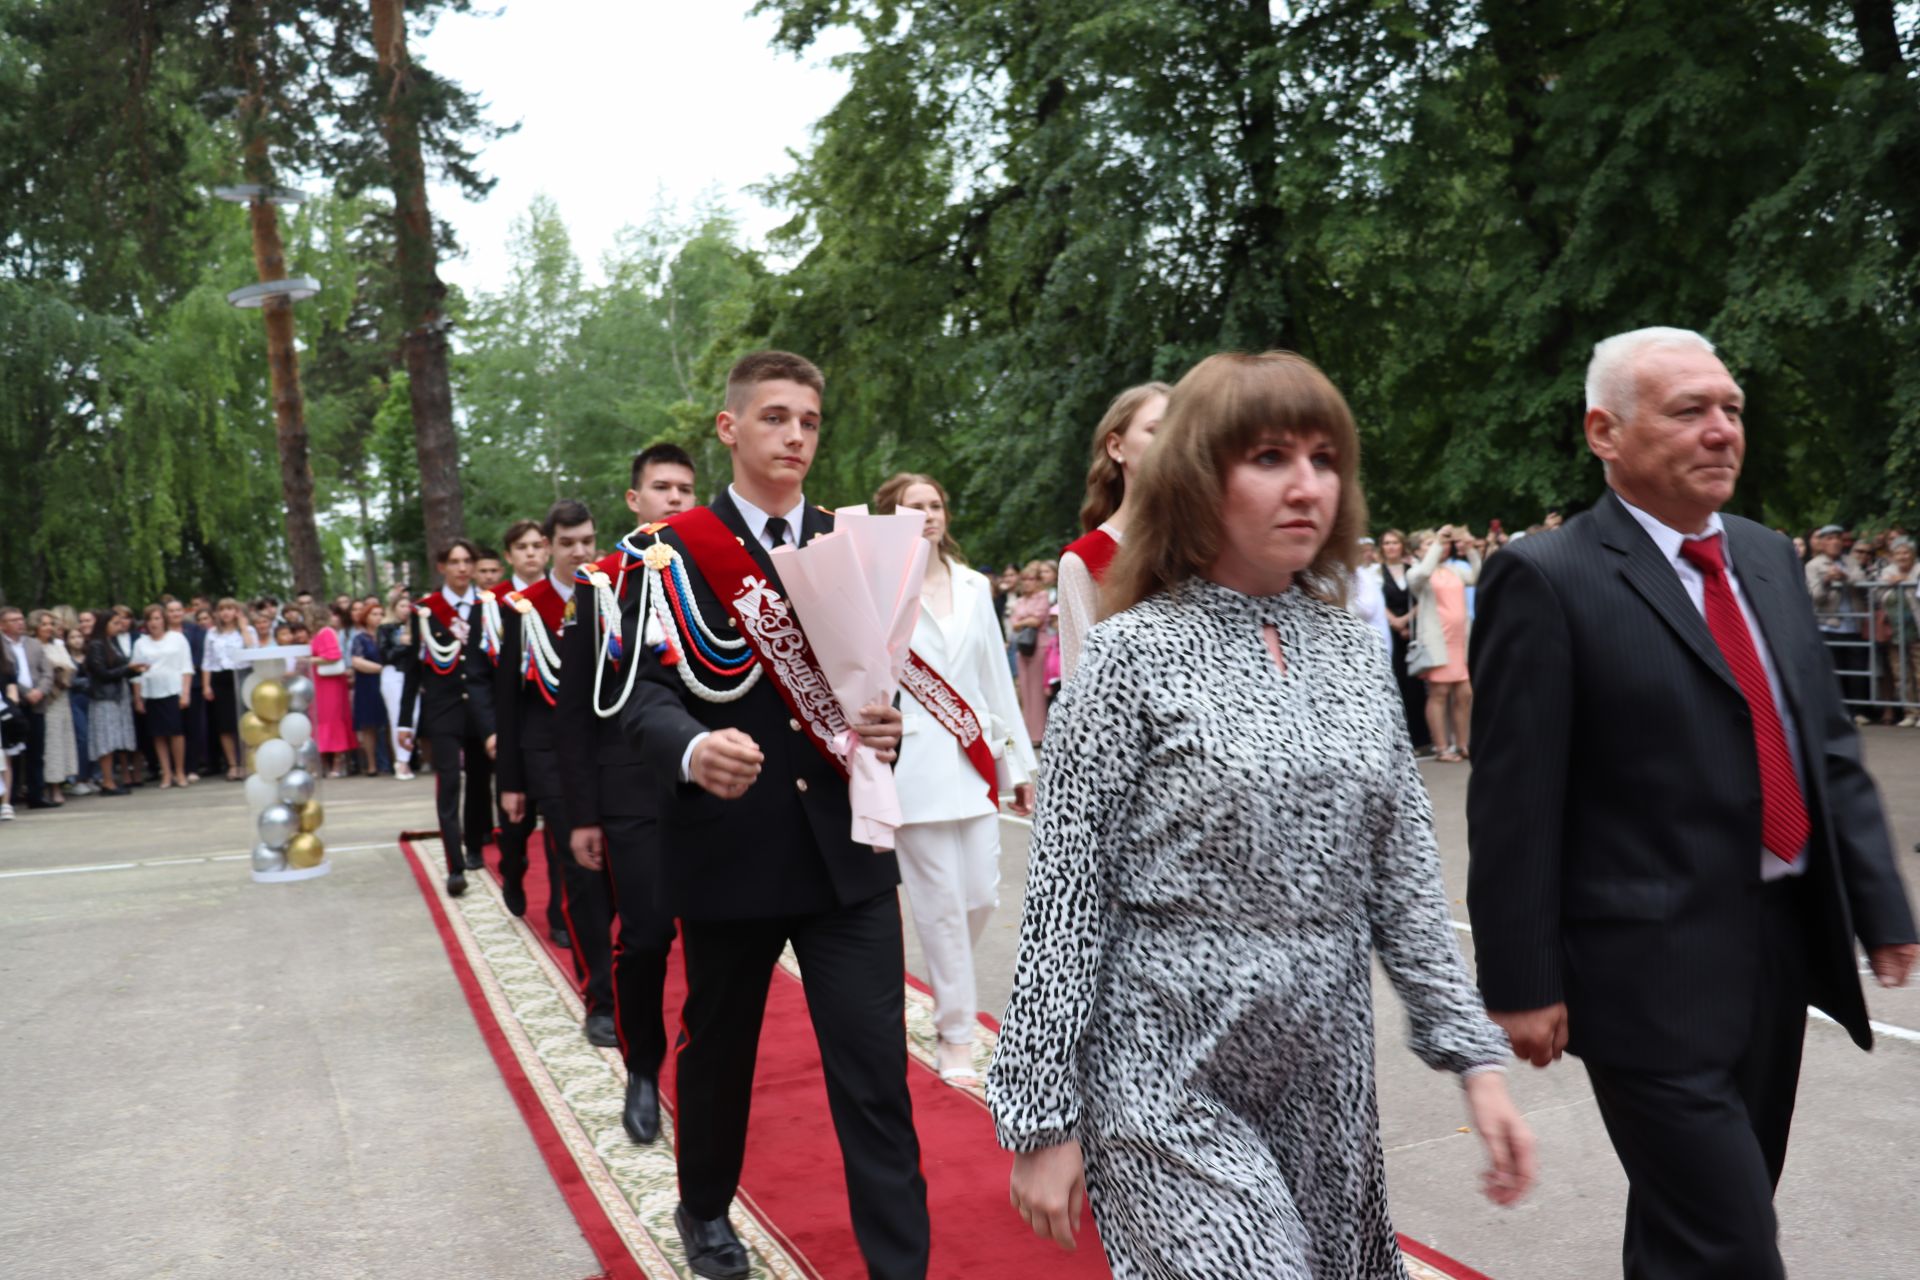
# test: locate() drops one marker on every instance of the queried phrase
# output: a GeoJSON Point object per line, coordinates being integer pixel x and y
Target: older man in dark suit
{"type": "Point", "coordinates": [1674, 841]}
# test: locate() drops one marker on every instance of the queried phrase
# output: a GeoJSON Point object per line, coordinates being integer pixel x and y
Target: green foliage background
{"type": "Point", "coordinates": [1018, 208]}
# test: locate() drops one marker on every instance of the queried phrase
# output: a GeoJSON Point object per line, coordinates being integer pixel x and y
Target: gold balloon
{"type": "Point", "coordinates": [311, 815]}
{"type": "Point", "coordinates": [269, 700]}
{"type": "Point", "coordinates": [305, 850]}
{"type": "Point", "coordinates": [254, 730]}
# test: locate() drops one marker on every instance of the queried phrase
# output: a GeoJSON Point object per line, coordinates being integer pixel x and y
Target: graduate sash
{"type": "Point", "coordinates": [931, 690]}
{"type": "Point", "coordinates": [766, 620]}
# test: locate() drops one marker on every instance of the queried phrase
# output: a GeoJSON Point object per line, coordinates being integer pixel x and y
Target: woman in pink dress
{"type": "Point", "coordinates": [1438, 653]}
{"type": "Point", "coordinates": [1029, 619]}
{"type": "Point", "coordinates": [333, 693]}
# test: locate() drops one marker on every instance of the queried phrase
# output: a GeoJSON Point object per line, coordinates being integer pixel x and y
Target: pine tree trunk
{"type": "Point", "coordinates": [424, 346]}
{"type": "Point", "coordinates": [283, 360]}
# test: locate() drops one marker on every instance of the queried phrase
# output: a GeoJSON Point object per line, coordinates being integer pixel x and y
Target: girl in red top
{"type": "Point", "coordinates": [1119, 443]}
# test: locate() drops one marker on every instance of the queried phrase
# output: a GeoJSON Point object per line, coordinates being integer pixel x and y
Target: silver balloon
{"type": "Point", "coordinates": [268, 859]}
{"type": "Point", "coordinates": [297, 787]}
{"type": "Point", "coordinates": [299, 693]}
{"type": "Point", "coordinates": [279, 824]}
{"type": "Point", "coordinates": [307, 756]}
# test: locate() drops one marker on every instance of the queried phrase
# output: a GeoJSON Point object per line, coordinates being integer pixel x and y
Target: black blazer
{"type": "Point", "coordinates": [602, 774]}
{"type": "Point", "coordinates": [785, 848]}
{"type": "Point", "coordinates": [460, 702]}
{"type": "Point", "coordinates": [523, 719]}
{"type": "Point", "coordinates": [1614, 809]}
{"type": "Point", "coordinates": [106, 669]}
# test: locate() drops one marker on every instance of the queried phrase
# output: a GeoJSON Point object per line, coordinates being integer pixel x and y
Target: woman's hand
{"type": "Point", "coordinates": [1049, 1189]}
{"type": "Point", "coordinates": [186, 697]}
{"type": "Point", "coordinates": [1505, 1134]}
{"type": "Point", "coordinates": [1022, 805]}
{"type": "Point", "coordinates": [139, 705]}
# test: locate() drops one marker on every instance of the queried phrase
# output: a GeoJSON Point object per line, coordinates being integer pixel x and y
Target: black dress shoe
{"type": "Point", "coordinates": [712, 1248]}
{"type": "Point", "coordinates": [476, 860]}
{"type": "Point", "coordinates": [642, 1114]}
{"type": "Point", "coordinates": [456, 884]}
{"type": "Point", "coordinates": [560, 938]}
{"type": "Point", "coordinates": [514, 890]}
{"type": "Point", "coordinates": [600, 1030]}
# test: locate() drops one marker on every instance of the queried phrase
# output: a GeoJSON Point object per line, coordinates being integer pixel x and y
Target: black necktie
{"type": "Point", "coordinates": [777, 531]}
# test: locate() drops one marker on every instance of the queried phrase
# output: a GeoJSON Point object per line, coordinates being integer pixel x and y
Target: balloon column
{"type": "Point", "coordinates": [283, 785]}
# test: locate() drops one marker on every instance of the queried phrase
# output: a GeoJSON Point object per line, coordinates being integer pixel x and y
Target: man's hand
{"type": "Point", "coordinates": [1022, 805]}
{"type": "Point", "coordinates": [879, 728]}
{"type": "Point", "coordinates": [1538, 1035]}
{"type": "Point", "coordinates": [1508, 1141]}
{"type": "Point", "coordinates": [725, 763]}
{"type": "Point", "coordinates": [406, 740]}
{"type": "Point", "coordinates": [493, 741]}
{"type": "Point", "coordinates": [514, 805]}
{"type": "Point", "coordinates": [590, 847]}
{"type": "Point", "coordinates": [1893, 964]}
{"type": "Point", "coordinates": [35, 697]}
{"type": "Point", "coordinates": [1049, 1190]}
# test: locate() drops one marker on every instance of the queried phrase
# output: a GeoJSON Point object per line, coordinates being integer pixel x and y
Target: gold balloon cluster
{"type": "Point", "coordinates": [269, 703]}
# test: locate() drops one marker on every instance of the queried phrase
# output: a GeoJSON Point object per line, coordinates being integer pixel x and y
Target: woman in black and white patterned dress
{"type": "Point", "coordinates": [1230, 827]}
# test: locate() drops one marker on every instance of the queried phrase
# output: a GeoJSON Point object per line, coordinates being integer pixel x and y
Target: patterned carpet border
{"type": "Point", "coordinates": [618, 1186]}
{"type": "Point", "coordinates": [630, 1189]}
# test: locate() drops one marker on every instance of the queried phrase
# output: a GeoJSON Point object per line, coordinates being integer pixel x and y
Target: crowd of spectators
{"type": "Point", "coordinates": [1417, 591]}
{"type": "Point", "coordinates": [103, 702]}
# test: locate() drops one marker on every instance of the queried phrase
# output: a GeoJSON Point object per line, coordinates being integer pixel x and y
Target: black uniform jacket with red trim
{"type": "Point", "coordinates": [784, 848]}
{"type": "Point", "coordinates": [525, 717]}
{"type": "Point", "coordinates": [460, 702]}
{"type": "Point", "coordinates": [602, 773]}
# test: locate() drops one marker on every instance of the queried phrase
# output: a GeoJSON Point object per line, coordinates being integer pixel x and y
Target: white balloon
{"type": "Point", "coordinates": [278, 824]}
{"type": "Point", "coordinates": [299, 693]}
{"type": "Point", "coordinates": [297, 787]}
{"type": "Point", "coordinates": [272, 759]}
{"type": "Point", "coordinates": [307, 756]}
{"type": "Point", "coordinates": [261, 792]}
{"type": "Point", "coordinates": [266, 858]}
{"type": "Point", "coordinates": [296, 729]}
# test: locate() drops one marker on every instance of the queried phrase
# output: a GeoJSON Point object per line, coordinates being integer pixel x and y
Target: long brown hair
{"type": "Point", "coordinates": [1106, 482]}
{"type": "Point", "coordinates": [1224, 406]}
{"type": "Point", "coordinates": [887, 501]}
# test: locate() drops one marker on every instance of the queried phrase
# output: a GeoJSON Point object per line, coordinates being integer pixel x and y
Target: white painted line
{"type": "Point", "coordinates": [173, 862]}
{"type": "Point", "coordinates": [1886, 1029]}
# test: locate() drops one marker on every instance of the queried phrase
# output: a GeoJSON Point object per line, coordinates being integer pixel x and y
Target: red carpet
{"type": "Point", "coordinates": [793, 1182]}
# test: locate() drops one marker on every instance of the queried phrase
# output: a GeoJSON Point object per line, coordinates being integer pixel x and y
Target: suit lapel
{"type": "Point", "coordinates": [1649, 574]}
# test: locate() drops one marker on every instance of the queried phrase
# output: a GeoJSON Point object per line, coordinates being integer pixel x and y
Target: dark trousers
{"type": "Point", "coordinates": [33, 761]}
{"type": "Point", "coordinates": [448, 750]}
{"type": "Point", "coordinates": [514, 856]}
{"type": "Point", "coordinates": [638, 881]}
{"type": "Point", "coordinates": [194, 718]}
{"type": "Point", "coordinates": [1703, 1150]}
{"type": "Point", "coordinates": [854, 959]}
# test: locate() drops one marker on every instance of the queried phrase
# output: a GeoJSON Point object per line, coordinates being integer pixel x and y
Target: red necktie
{"type": "Point", "coordinates": [1783, 809]}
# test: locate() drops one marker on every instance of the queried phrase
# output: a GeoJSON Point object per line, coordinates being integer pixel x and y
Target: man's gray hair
{"type": "Point", "coordinates": [1612, 382]}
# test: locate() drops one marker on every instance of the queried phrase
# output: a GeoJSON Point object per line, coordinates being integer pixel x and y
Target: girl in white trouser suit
{"type": "Point", "coordinates": [949, 843]}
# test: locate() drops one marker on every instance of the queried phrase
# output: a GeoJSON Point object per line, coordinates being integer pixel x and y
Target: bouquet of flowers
{"type": "Point", "coordinates": [857, 593]}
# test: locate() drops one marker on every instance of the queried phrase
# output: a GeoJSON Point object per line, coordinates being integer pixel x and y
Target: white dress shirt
{"type": "Point", "coordinates": [757, 519]}
{"type": "Point", "coordinates": [1669, 541]}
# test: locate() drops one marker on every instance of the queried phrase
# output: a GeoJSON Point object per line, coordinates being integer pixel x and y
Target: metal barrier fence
{"type": "Point", "coordinates": [1875, 645]}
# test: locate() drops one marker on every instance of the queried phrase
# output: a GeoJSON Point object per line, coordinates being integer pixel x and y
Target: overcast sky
{"type": "Point", "coordinates": [621, 102]}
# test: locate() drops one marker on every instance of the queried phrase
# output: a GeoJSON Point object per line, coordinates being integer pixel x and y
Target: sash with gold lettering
{"type": "Point", "coordinates": [931, 690]}
{"type": "Point", "coordinates": [767, 621]}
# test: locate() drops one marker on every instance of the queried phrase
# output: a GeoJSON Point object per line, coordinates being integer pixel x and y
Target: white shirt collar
{"type": "Point", "coordinates": [520, 583]}
{"type": "Point", "coordinates": [1669, 539]}
{"type": "Point", "coordinates": [457, 601]}
{"type": "Point", "coordinates": [757, 519]}
{"type": "Point", "coordinates": [564, 587]}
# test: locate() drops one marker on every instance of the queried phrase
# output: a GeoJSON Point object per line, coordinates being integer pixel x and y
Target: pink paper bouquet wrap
{"type": "Point", "coordinates": [857, 592]}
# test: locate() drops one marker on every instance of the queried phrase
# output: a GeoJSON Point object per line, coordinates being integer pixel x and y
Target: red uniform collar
{"type": "Point", "coordinates": [1096, 550]}
{"type": "Point", "coordinates": [437, 607]}
{"type": "Point", "coordinates": [545, 599]}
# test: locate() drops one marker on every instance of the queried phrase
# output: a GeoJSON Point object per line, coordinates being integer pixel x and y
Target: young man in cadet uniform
{"type": "Point", "coordinates": [452, 682]}
{"type": "Point", "coordinates": [613, 801]}
{"type": "Point", "coordinates": [730, 702]}
{"type": "Point", "coordinates": [534, 623]}
{"type": "Point", "coordinates": [528, 548]}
